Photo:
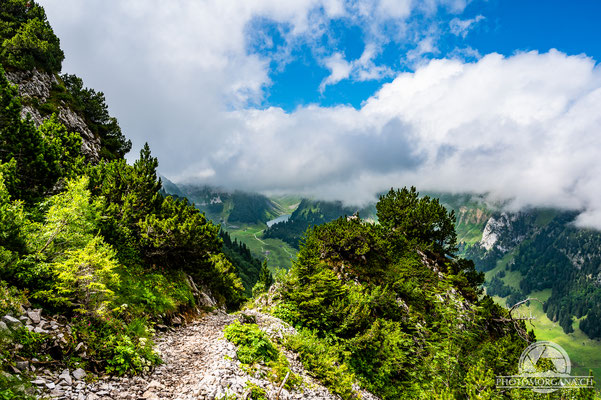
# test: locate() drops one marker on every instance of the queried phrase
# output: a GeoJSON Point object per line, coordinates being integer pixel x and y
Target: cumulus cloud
{"type": "Point", "coordinates": [521, 128]}
{"type": "Point", "coordinates": [524, 128]}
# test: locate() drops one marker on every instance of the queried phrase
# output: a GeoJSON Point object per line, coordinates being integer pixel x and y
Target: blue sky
{"type": "Point", "coordinates": [505, 27]}
{"type": "Point", "coordinates": [342, 99]}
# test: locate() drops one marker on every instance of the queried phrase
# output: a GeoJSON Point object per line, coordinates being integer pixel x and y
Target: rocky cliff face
{"type": "Point", "coordinates": [37, 85]}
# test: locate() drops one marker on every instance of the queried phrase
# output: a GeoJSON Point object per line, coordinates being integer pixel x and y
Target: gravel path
{"type": "Point", "coordinates": [200, 364]}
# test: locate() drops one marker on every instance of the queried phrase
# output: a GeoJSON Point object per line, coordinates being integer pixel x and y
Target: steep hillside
{"type": "Point", "coordinates": [32, 59]}
{"type": "Point", "coordinates": [244, 216]}
{"type": "Point", "coordinates": [547, 251]}
{"type": "Point", "coordinates": [230, 208]}
{"type": "Point", "coordinates": [309, 213]}
{"type": "Point", "coordinates": [386, 303]}
{"type": "Point", "coordinates": [92, 256]}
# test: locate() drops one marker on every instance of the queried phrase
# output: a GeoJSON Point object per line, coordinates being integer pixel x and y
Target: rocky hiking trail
{"type": "Point", "coordinates": [198, 363]}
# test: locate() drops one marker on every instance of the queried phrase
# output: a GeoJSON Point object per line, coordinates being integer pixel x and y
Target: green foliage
{"type": "Point", "coordinates": [30, 342]}
{"type": "Point", "coordinates": [254, 347]}
{"type": "Point", "coordinates": [11, 299]}
{"type": "Point", "coordinates": [12, 221]}
{"type": "Point", "coordinates": [247, 266]}
{"type": "Point", "coordinates": [42, 156]}
{"type": "Point", "coordinates": [92, 105]}
{"type": "Point", "coordinates": [422, 221]}
{"type": "Point", "coordinates": [224, 281]}
{"type": "Point", "coordinates": [86, 277]}
{"type": "Point", "coordinates": [253, 344]}
{"type": "Point", "coordinates": [256, 392]}
{"type": "Point", "coordinates": [265, 280]}
{"type": "Point", "coordinates": [27, 40]}
{"type": "Point", "coordinates": [130, 355]}
{"type": "Point", "coordinates": [148, 292]}
{"type": "Point", "coordinates": [13, 388]}
{"type": "Point", "coordinates": [324, 362]}
{"type": "Point", "coordinates": [391, 307]}
{"type": "Point", "coordinates": [178, 235]}
{"type": "Point", "coordinates": [116, 345]}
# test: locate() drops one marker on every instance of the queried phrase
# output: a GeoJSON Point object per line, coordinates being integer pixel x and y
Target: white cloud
{"type": "Point", "coordinates": [521, 128]}
{"type": "Point", "coordinates": [524, 128]}
{"type": "Point", "coordinates": [426, 46]}
{"type": "Point", "coordinates": [361, 69]}
{"type": "Point", "coordinates": [339, 69]}
{"type": "Point", "coordinates": [461, 27]}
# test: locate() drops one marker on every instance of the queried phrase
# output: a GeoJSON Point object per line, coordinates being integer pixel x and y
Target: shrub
{"type": "Point", "coordinates": [322, 360]}
{"type": "Point", "coordinates": [253, 344]}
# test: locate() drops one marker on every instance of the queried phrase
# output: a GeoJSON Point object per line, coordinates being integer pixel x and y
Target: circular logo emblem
{"type": "Point", "coordinates": [545, 360]}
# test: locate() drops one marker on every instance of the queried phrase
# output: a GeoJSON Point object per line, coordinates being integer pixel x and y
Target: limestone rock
{"type": "Point", "coordinates": [79, 374]}
{"type": "Point", "coordinates": [66, 376]}
{"type": "Point", "coordinates": [35, 316]}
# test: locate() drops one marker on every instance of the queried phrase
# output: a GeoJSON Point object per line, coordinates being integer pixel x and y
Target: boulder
{"type": "Point", "coordinates": [22, 365]}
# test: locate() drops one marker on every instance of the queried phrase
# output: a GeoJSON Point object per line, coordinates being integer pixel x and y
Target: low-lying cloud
{"type": "Point", "coordinates": [524, 128]}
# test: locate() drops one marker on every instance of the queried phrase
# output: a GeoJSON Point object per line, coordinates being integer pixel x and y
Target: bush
{"type": "Point", "coordinates": [322, 360]}
{"type": "Point", "coordinates": [253, 344]}
{"type": "Point", "coordinates": [255, 347]}
{"type": "Point", "coordinates": [116, 346]}
{"type": "Point", "coordinates": [11, 299]}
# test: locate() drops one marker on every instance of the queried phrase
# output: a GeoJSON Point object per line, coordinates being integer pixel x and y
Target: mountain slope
{"type": "Point", "coordinates": [307, 214]}
{"type": "Point", "coordinates": [228, 207]}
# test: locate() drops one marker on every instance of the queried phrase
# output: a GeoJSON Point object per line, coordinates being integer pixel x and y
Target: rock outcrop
{"type": "Point", "coordinates": [37, 85]}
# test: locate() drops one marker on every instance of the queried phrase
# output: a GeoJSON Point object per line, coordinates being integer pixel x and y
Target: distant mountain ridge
{"type": "Point", "coordinates": [228, 207]}
{"type": "Point", "coordinates": [542, 245]}
{"type": "Point", "coordinates": [310, 213]}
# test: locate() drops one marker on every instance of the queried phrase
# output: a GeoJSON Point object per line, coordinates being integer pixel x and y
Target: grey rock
{"type": "Point", "coordinates": [35, 316]}
{"type": "Point", "coordinates": [66, 376]}
{"type": "Point", "coordinates": [79, 374]}
{"type": "Point", "coordinates": [12, 322]}
{"type": "Point", "coordinates": [3, 326]}
{"type": "Point", "coordinates": [37, 329]}
{"type": "Point", "coordinates": [38, 84]}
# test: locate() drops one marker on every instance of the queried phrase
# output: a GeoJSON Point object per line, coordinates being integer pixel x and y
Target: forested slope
{"type": "Point", "coordinates": [84, 235]}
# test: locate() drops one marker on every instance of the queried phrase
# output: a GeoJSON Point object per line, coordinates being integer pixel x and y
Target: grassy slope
{"type": "Point", "coordinates": [287, 203]}
{"type": "Point", "coordinates": [585, 353]}
{"type": "Point", "coordinates": [278, 253]}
